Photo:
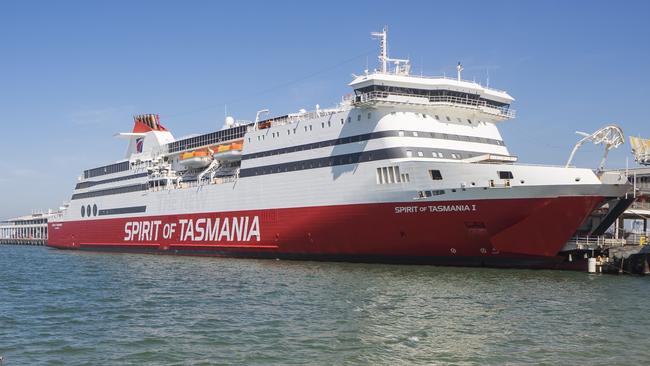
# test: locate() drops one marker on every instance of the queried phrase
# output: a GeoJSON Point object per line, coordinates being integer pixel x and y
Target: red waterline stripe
{"type": "Point", "coordinates": [181, 245]}
{"type": "Point", "coordinates": [223, 246]}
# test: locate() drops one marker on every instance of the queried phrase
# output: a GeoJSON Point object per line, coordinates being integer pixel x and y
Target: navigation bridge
{"type": "Point", "coordinates": [395, 86]}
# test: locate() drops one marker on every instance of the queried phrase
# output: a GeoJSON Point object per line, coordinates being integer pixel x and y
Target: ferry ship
{"type": "Point", "coordinates": [406, 169]}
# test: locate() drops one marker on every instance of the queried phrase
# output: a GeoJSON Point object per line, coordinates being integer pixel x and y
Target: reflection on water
{"type": "Point", "coordinates": [71, 308]}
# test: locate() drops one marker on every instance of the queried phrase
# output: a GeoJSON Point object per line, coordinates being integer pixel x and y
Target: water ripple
{"type": "Point", "coordinates": [74, 308]}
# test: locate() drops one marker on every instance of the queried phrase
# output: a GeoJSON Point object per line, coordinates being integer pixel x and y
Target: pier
{"type": "Point", "coordinates": [26, 230]}
{"type": "Point", "coordinates": [616, 237]}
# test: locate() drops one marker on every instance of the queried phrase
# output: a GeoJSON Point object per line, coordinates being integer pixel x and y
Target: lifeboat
{"type": "Point", "coordinates": [229, 152]}
{"type": "Point", "coordinates": [195, 159]}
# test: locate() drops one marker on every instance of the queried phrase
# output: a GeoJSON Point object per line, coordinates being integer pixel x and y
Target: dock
{"type": "Point", "coordinates": [26, 230]}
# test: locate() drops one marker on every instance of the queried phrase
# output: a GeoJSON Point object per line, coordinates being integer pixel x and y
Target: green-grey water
{"type": "Point", "coordinates": [77, 308]}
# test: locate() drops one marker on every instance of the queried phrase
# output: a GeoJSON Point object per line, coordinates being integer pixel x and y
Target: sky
{"type": "Point", "coordinates": [73, 73]}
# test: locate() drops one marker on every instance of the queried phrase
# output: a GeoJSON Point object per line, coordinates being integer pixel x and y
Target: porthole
{"type": "Point", "coordinates": [83, 211]}
{"type": "Point", "coordinates": [94, 210]}
{"type": "Point", "coordinates": [88, 210]}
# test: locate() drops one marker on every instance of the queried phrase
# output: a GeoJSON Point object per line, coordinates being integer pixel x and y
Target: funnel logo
{"type": "Point", "coordinates": [138, 144]}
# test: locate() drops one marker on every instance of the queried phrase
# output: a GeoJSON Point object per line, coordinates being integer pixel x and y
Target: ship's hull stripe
{"type": "Point", "coordinates": [372, 136]}
{"type": "Point", "coordinates": [88, 184]}
{"type": "Point", "coordinates": [122, 210]}
{"type": "Point", "coordinates": [354, 158]}
{"type": "Point", "coordinates": [111, 191]}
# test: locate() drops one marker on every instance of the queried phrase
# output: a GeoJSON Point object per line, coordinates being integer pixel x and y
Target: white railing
{"type": "Point", "coordinates": [379, 96]}
{"type": "Point", "coordinates": [292, 118]}
{"type": "Point", "coordinates": [592, 242]}
{"type": "Point", "coordinates": [445, 77]}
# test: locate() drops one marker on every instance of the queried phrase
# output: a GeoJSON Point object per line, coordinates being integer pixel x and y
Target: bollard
{"type": "Point", "coordinates": [591, 265]}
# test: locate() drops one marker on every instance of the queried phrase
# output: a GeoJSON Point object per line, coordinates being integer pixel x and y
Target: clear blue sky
{"type": "Point", "coordinates": [72, 73]}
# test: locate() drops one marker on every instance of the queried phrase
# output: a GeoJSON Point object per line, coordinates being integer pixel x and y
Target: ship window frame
{"type": "Point", "coordinates": [505, 174]}
{"type": "Point", "coordinates": [435, 174]}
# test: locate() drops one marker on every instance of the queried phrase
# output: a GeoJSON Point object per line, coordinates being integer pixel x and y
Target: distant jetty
{"type": "Point", "coordinates": [26, 230]}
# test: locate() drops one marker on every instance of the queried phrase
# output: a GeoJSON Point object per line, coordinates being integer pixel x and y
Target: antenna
{"type": "Point", "coordinates": [402, 67]}
{"type": "Point", "coordinates": [459, 69]}
{"type": "Point", "coordinates": [383, 47]}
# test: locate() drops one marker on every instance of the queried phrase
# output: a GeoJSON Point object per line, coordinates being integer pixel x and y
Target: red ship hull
{"type": "Point", "coordinates": [508, 233]}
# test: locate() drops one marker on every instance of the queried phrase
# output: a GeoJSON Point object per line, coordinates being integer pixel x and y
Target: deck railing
{"type": "Point", "coordinates": [375, 96]}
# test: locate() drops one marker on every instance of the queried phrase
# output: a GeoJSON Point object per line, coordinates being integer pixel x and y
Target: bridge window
{"type": "Point", "coordinates": [435, 174]}
{"type": "Point", "coordinates": [505, 174]}
{"type": "Point", "coordinates": [358, 117]}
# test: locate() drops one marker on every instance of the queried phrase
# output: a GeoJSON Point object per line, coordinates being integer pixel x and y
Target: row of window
{"type": "Point", "coordinates": [437, 117]}
{"type": "Point", "coordinates": [435, 154]}
{"type": "Point", "coordinates": [377, 135]}
{"type": "Point", "coordinates": [86, 211]}
{"type": "Point", "coordinates": [469, 98]}
{"type": "Point", "coordinates": [430, 193]}
{"type": "Point", "coordinates": [503, 174]}
{"type": "Point", "coordinates": [110, 180]}
{"type": "Point", "coordinates": [390, 175]}
{"type": "Point", "coordinates": [207, 139]}
{"type": "Point", "coordinates": [353, 158]}
{"type": "Point", "coordinates": [93, 211]}
{"type": "Point", "coordinates": [307, 128]}
{"type": "Point", "coordinates": [111, 191]}
{"type": "Point", "coordinates": [107, 169]}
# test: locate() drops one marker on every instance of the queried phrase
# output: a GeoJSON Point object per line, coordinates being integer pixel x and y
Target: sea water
{"type": "Point", "coordinates": [73, 308]}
